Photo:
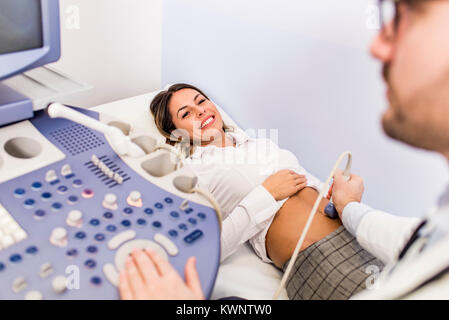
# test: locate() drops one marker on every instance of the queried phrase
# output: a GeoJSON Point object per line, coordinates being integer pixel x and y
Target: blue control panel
{"type": "Point", "coordinates": [66, 229]}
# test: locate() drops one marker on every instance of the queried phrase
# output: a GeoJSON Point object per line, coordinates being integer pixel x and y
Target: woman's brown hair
{"type": "Point", "coordinates": [161, 113]}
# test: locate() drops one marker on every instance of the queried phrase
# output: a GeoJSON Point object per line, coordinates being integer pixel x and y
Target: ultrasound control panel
{"type": "Point", "coordinates": [67, 227]}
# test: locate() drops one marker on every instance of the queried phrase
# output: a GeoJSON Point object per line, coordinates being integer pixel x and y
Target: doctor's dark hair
{"type": "Point", "coordinates": [161, 113]}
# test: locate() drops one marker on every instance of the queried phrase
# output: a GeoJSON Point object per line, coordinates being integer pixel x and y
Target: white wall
{"type": "Point", "coordinates": [113, 45]}
{"type": "Point", "coordinates": [301, 67]}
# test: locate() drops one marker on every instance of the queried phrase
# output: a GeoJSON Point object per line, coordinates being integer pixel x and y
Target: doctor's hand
{"type": "Point", "coordinates": [346, 191]}
{"type": "Point", "coordinates": [284, 183]}
{"type": "Point", "coordinates": [147, 276]}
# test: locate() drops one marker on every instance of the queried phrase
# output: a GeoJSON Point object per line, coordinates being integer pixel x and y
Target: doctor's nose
{"type": "Point", "coordinates": [382, 44]}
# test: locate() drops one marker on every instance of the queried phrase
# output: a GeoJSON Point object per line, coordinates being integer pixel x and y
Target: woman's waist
{"type": "Point", "coordinates": [289, 222]}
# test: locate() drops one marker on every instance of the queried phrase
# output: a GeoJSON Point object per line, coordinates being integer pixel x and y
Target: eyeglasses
{"type": "Point", "coordinates": [389, 12]}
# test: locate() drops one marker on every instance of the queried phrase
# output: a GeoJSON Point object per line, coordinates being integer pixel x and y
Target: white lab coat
{"type": "Point", "coordinates": [385, 235]}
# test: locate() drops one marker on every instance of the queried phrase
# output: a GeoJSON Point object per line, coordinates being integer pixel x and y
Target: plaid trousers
{"type": "Point", "coordinates": [334, 268]}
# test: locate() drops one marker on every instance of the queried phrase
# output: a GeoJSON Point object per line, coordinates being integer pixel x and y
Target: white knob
{"type": "Point", "coordinates": [95, 160]}
{"type": "Point", "coordinates": [51, 176]}
{"type": "Point", "coordinates": [110, 199]}
{"type": "Point", "coordinates": [59, 284]}
{"type": "Point", "coordinates": [33, 295]}
{"type": "Point", "coordinates": [75, 218]}
{"type": "Point", "coordinates": [66, 170]}
{"type": "Point", "coordinates": [59, 237]}
{"type": "Point", "coordinates": [135, 196]}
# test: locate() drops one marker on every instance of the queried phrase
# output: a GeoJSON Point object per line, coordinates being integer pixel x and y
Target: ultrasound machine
{"type": "Point", "coordinates": [80, 189]}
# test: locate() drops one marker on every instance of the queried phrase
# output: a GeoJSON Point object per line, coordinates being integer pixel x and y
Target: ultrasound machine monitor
{"type": "Point", "coordinates": [29, 38]}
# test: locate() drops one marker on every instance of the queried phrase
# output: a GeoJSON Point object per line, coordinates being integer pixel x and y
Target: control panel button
{"type": "Point", "coordinates": [80, 235]}
{"type": "Point", "coordinates": [39, 214]}
{"type": "Point", "coordinates": [171, 248]}
{"type": "Point", "coordinates": [94, 222]}
{"type": "Point", "coordinates": [15, 258]}
{"type": "Point", "coordinates": [92, 249]}
{"type": "Point", "coordinates": [192, 237]}
{"type": "Point", "coordinates": [72, 253]}
{"type": "Point", "coordinates": [66, 170]}
{"type": "Point", "coordinates": [135, 199]}
{"type": "Point", "coordinates": [62, 189]}
{"type": "Point", "coordinates": [122, 237]}
{"type": "Point", "coordinates": [56, 206]}
{"type": "Point", "coordinates": [45, 270]}
{"type": "Point", "coordinates": [108, 215]}
{"type": "Point", "coordinates": [58, 237]}
{"type": "Point", "coordinates": [111, 228]}
{"type": "Point", "coordinates": [33, 295]}
{"type": "Point", "coordinates": [128, 211]}
{"type": "Point", "coordinates": [29, 203]}
{"type": "Point", "coordinates": [90, 263]}
{"type": "Point", "coordinates": [173, 233]}
{"type": "Point", "coordinates": [31, 250]}
{"type": "Point", "coordinates": [19, 192]}
{"type": "Point", "coordinates": [158, 205]}
{"type": "Point", "coordinates": [77, 183]}
{"type": "Point", "coordinates": [99, 237]}
{"type": "Point", "coordinates": [75, 218]}
{"type": "Point", "coordinates": [36, 186]}
{"type": "Point", "coordinates": [157, 224]}
{"type": "Point", "coordinates": [46, 196]}
{"type": "Point", "coordinates": [110, 201]}
{"type": "Point", "coordinates": [87, 194]}
{"type": "Point", "coordinates": [59, 284]}
{"type": "Point", "coordinates": [72, 200]}
{"type": "Point", "coordinates": [111, 274]}
{"type": "Point", "coordinates": [96, 281]}
{"type": "Point", "coordinates": [19, 284]}
{"type": "Point", "coordinates": [126, 223]}
{"type": "Point", "coordinates": [51, 176]}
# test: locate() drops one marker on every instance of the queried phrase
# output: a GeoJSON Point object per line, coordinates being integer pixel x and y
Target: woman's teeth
{"type": "Point", "coordinates": [207, 122]}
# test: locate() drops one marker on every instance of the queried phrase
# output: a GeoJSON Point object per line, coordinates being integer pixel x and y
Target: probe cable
{"type": "Point", "coordinates": [323, 190]}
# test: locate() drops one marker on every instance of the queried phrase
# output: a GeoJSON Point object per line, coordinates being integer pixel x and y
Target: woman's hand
{"type": "Point", "coordinates": [147, 276]}
{"type": "Point", "coordinates": [284, 183]}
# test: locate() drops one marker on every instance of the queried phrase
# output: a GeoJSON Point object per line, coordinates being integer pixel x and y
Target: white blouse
{"type": "Point", "coordinates": [234, 176]}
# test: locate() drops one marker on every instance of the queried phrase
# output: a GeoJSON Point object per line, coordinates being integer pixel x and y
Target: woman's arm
{"type": "Point", "coordinates": [257, 209]}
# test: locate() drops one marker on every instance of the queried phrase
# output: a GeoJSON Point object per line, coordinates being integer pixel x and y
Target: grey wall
{"type": "Point", "coordinates": [301, 67]}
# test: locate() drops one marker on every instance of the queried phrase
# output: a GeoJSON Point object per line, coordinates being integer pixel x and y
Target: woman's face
{"type": "Point", "coordinates": [195, 114]}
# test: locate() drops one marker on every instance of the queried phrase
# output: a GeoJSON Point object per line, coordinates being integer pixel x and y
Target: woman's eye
{"type": "Point", "coordinates": [185, 114]}
{"type": "Point", "coordinates": [201, 101]}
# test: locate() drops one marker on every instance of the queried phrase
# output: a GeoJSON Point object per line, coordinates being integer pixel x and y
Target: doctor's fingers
{"type": "Point", "coordinates": [126, 293]}
{"type": "Point", "coordinates": [192, 277]}
{"type": "Point", "coordinates": [145, 265]}
{"type": "Point", "coordinates": [135, 279]}
{"type": "Point", "coordinates": [163, 267]}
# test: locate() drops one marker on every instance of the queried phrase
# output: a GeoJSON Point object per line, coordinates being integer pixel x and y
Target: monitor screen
{"type": "Point", "coordinates": [20, 25]}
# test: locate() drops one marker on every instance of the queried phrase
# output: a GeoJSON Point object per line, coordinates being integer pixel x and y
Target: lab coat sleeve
{"type": "Point", "coordinates": [382, 234]}
{"type": "Point", "coordinates": [250, 217]}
